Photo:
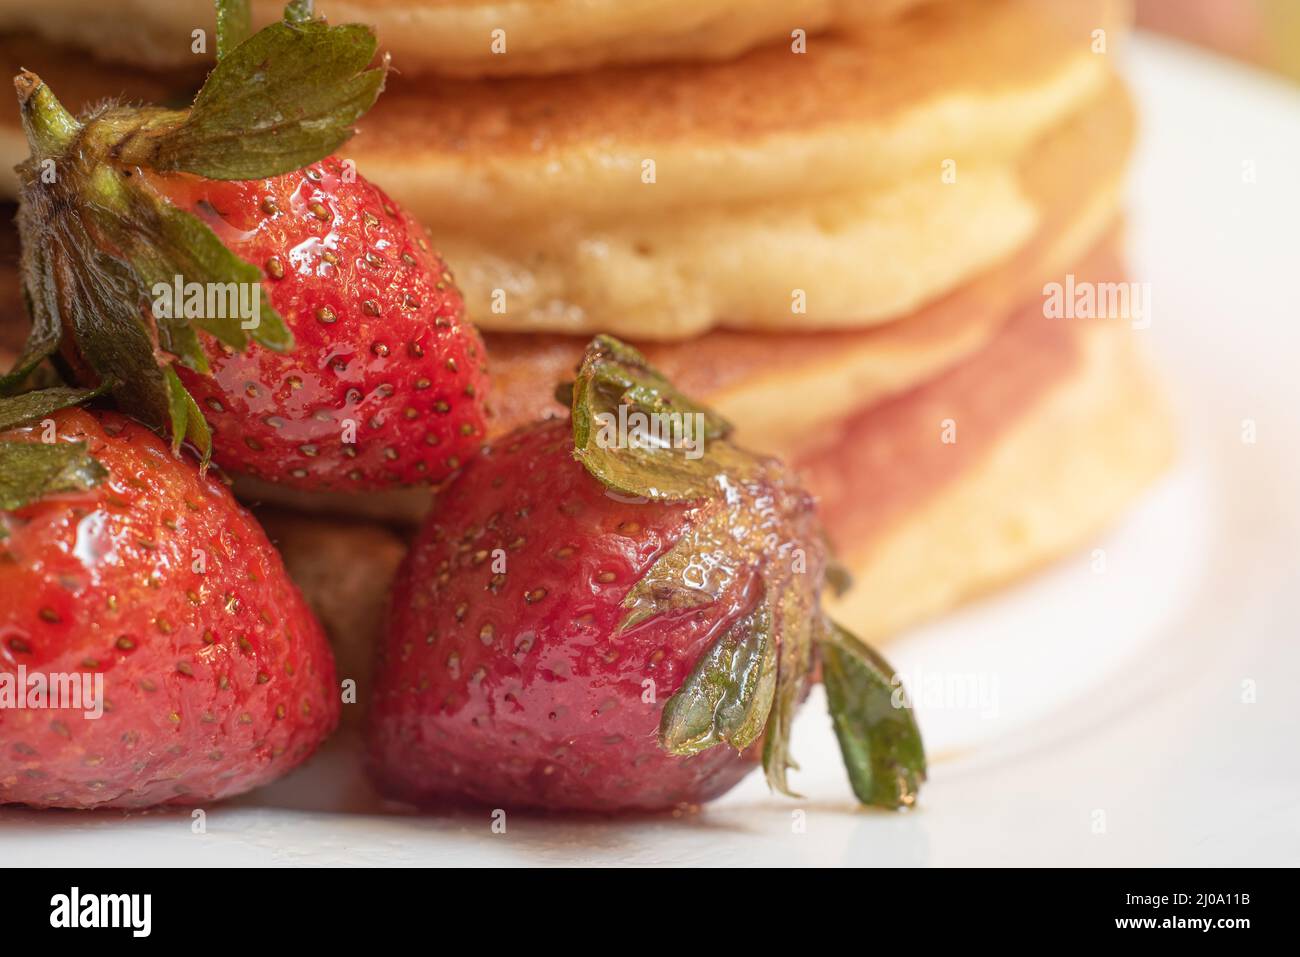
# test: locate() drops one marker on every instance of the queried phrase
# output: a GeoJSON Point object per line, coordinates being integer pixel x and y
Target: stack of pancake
{"type": "Point", "coordinates": [832, 219]}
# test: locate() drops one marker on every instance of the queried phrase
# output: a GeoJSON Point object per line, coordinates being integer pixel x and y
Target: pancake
{"type": "Point", "coordinates": [455, 36]}
{"type": "Point", "coordinates": [968, 81]}
{"type": "Point", "coordinates": [777, 175]}
{"type": "Point", "coordinates": [1075, 182]}
{"type": "Point", "coordinates": [777, 172]}
{"type": "Point", "coordinates": [1058, 426]}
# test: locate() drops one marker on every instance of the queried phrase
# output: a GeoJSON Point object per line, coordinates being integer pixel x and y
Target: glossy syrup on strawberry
{"type": "Point", "coordinates": [153, 581]}
{"type": "Point", "coordinates": [386, 381]}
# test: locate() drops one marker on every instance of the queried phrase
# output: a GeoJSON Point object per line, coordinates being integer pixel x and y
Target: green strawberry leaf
{"type": "Point", "coordinates": [729, 692]}
{"type": "Point", "coordinates": [639, 435]}
{"type": "Point", "coordinates": [695, 572]}
{"type": "Point", "coordinates": [41, 343]}
{"type": "Point", "coordinates": [777, 762]}
{"type": "Point", "coordinates": [30, 406]}
{"type": "Point", "coordinates": [99, 297]}
{"type": "Point", "coordinates": [186, 419]}
{"type": "Point", "coordinates": [183, 342]}
{"type": "Point", "coordinates": [51, 130]}
{"type": "Point", "coordinates": [163, 243]}
{"type": "Point", "coordinates": [280, 100]}
{"type": "Point", "coordinates": [29, 471]}
{"type": "Point", "coordinates": [233, 25]}
{"type": "Point", "coordinates": [795, 618]}
{"type": "Point", "coordinates": [879, 739]}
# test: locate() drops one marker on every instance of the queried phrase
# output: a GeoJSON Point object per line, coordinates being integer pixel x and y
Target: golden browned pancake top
{"type": "Point", "coordinates": [977, 47]}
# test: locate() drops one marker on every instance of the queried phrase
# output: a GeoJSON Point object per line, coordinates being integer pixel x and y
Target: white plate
{"type": "Point", "coordinates": [1141, 714]}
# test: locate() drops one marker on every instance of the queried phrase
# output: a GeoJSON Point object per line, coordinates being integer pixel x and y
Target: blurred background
{"type": "Point", "coordinates": [1263, 32]}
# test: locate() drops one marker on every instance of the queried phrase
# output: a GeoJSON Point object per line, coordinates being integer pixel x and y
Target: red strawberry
{"type": "Point", "coordinates": [380, 338]}
{"type": "Point", "coordinates": [581, 626]}
{"type": "Point", "coordinates": [120, 562]}
{"type": "Point", "coordinates": [226, 277]}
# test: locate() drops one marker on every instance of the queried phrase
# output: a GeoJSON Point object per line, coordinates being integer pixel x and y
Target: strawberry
{"type": "Point", "coordinates": [375, 311]}
{"type": "Point", "coordinates": [224, 276]}
{"type": "Point", "coordinates": [590, 623]}
{"type": "Point", "coordinates": [122, 565]}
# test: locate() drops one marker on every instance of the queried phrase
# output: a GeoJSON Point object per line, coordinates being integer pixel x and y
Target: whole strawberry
{"type": "Point", "coordinates": [617, 614]}
{"type": "Point", "coordinates": [225, 277]}
{"type": "Point", "coordinates": [152, 649]}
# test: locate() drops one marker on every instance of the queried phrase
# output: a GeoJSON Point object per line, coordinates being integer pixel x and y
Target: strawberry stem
{"type": "Point", "coordinates": [50, 128]}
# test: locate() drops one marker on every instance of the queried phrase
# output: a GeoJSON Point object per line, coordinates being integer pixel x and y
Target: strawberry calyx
{"type": "Point", "coordinates": [879, 740]}
{"type": "Point", "coordinates": [30, 406]}
{"type": "Point", "coordinates": [729, 693]}
{"type": "Point", "coordinates": [98, 237]}
{"type": "Point", "coordinates": [276, 101]}
{"type": "Point", "coordinates": [31, 470]}
{"type": "Point", "coordinates": [626, 416]}
{"type": "Point", "coordinates": [748, 684]}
